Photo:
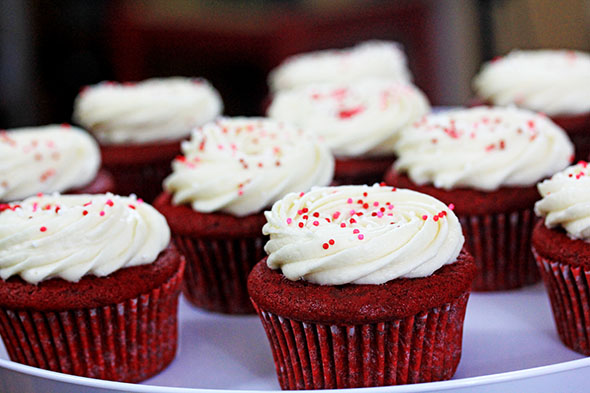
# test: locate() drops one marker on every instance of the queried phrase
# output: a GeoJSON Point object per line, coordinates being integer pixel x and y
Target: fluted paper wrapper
{"type": "Point", "coordinates": [568, 290]}
{"type": "Point", "coordinates": [127, 342]}
{"type": "Point", "coordinates": [143, 180]}
{"type": "Point", "coordinates": [420, 348]}
{"type": "Point", "coordinates": [501, 247]}
{"type": "Point", "coordinates": [217, 271]}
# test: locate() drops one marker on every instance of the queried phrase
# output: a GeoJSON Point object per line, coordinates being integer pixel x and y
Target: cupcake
{"type": "Point", "coordinates": [52, 158]}
{"type": "Point", "coordinates": [230, 171]}
{"type": "Point", "coordinates": [381, 59]}
{"type": "Point", "coordinates": [562, 250]}
{"type": "Point", "coordinates": [89, 286]}
{"type": "Point", "coordinates": [554, 82]}
{"type": "Point", "coordinates": [486, 162]}
{"type": "Point", "coordinates": [140, 126]}
{"type": "Point", "coordinates": [360, 122]}
{"type": "Point", "coordinates": [363, 286]}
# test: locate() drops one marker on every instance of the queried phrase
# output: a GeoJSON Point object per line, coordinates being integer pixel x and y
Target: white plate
{"type": "Point", "coordinates": [509, 344]}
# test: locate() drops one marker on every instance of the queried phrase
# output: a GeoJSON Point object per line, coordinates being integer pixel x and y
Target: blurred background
{"type": "Point", "coordinates": [49, 50]}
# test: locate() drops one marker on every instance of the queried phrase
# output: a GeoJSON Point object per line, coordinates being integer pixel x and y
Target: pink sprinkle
{"type": "Point", "coordinates": [355, 231]}
{"type": "Point", "coordinates": [342, 225]}
{"type": "Point", "coordinates": [316, 223]}
{"type": "Point", "coordinates": [102, 213]}
{"type": "Point", "coordinates": [140, 200]}
{"type": "Point", "coordinates": [349, 200]}
{"type": "Point", "coordinates": [379, 214]}
{"type": "Point", "coordinates": [361, 236]}
{"type": "Point", "coordinates": [425, 217]}
{"type": "Point", "coordinates": [390, 207]}
{"type": "Point", "coordinates": [451, 206]}
{"type": "Point", "coordinates": [110, 203]}
{"type": "Point", "coordinates": [299, 212]}
{"type": "Point", "coordinates": [336, 215]}
{"type": "Point", "coordinates": [352, 212]}
{"type": "Point", "coordinates": [375, 204]}
{"type": "Point", "coordinates": [302, 194]}
{"type": "Point", "coordinates": [289, 221]}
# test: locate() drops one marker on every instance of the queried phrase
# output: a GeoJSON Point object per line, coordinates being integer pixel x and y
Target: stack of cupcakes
{"type": "Point", "coordinates": [486, 162]}
{"type": "Point", "coordinates": [230, 171]}
{"type": "Point", "coordinates": [554, 82]}
{"type": "Point", "coordinates": [357, 99]}
{"type": "Point", "coordinates": [140, 126]}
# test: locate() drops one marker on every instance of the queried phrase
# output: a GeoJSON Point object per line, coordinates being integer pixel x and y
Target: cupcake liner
{"type": "Point", "coordinates": [419, 348]}
{"type": "Point", "coordinates": [128, 341]}
{"type": "Point", "coordinates": [501, 247]}
{"type": "Point", "coordinates": [568, 289]}
{"type": "Point", "coordinates": [217, 271]}
{"type": "Point", "coordinates": [143, 180]}
{"type": "Point", "coordinates": [361, 170]}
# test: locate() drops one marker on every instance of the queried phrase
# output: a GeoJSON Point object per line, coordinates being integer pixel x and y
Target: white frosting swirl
{"type": "Point", "coordinates": [566, 201]}
{"type": "Point", "coordinates": [360, 235]}
{"type": "Point", "coordinates": [368, 59]}
{"type": "Point", "coordinates": [555, 82]}
{"type": "Point", "coordinates": [242, 165]}
{"type": "Point", "coordinates": [152, 110]}
{"type": "Point", "coordinates": [70, 236]}
{"type": "Point", "coordinates": [360, 119]}
{"type": "Point", "coordinates": [483, 148]}
{"type": "Point", "coordinates": [45, 159]}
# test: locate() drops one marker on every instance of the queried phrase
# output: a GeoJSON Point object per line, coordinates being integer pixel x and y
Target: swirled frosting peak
{"type": "Point", "coordinates": [359, 119]}
{"type": "Point", "coordinates": [53, 158]}
{"type": "Point", "coordinates": [70, 236]}
{"type": "Point", "coordinates": [382, 59]}
{"type": "Point", "coordinates": [556, 82]}
{"type": "Point", "coordinates": [483, 148]}
{"type": "Point", "coordinates": [152, 110]}
{"type": "Point", "coordinates": [360, 235]}
{"type": "Point", "coordinates": [242, 165]}
{"type": "Point", "coordinates": [566, 200]}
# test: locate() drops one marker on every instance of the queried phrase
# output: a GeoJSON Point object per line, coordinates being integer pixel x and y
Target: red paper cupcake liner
{"type": "Point", "coordinates": [501, 247]}
{"type": "Point", "coordinates": [420, 348]}
{"type": "Point", "coordinates": [217, 271]}
{"type": "Point", "coordinates": [569, 293]}
{"type": "Point", "coordinates": [143, 180]}
{"type": "Point", "coordinates": [129, 341]}
{"type": "Point", "coordinates": [367, 170]}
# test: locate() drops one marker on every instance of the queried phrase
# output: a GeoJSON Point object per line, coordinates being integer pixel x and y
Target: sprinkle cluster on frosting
{"type": "Point", "coordinates": [556, 82]}
{"type": "Point", "coordinates": [357, 119]}
{"type": "Point", "coordinates": [482, 148]}
{"type": "Point", "coordinates": [152, 110]}
{"type": "Point", "coordinates": [70, 236]}
{"type": "Point", "coordinates": [53, 158]}
{"type": "Point", "coordinates": [360, 234]}
{"type": "Point", "coordinates": [242, 165]}
{"type": "Point", "coordinates": [566, 200]}
{"type": "Point", "coordinates": [382, 59]}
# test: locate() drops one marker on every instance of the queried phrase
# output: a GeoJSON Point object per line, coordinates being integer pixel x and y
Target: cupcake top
{"type": "Point", "coordinates": [360, 119]}
{"type": "Point", "coordinates": [45, 159]}
{"type": "Point", "coordinates": [360, 235]}
{"type": "Point", "coordinates": [482, 148]}
{"type": "Point", "coordinates": [152, 110]}
{"type": "Point", "coordinates": [242, 165]}
{"type": "Point", "coordinates": [566, 201]}
{"type": "Point", "coordinates": [70, 236]}
{"type": "Point", "coordinates": [555, 82]}
{"type": "Point", "coordinates": [367, 59]}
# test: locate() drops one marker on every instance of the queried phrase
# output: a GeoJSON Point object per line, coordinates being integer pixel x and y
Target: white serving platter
{"type": "Point", "coordinates": [509, 345]}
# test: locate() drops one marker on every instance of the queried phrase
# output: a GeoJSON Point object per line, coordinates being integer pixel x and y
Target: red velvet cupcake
{"type": "Point", "coordinates": [47, 159]}
{"type": "Point", "coordinates": [140, 126]}
{"type": "Point", "coordinates": [89, 286]}
{"type": "Point", "coordinates": [359, 121]}
{"type": "Point", "coordinates": [371, 291]}
{"type": "Point", "coordinates": [485, 161]}
{"type": "Point", "coordinates": [562, 250]}
{"type": "Point", "coordinates": [231, 170]}
{"type": "Point", "coordinates": [554, 82]}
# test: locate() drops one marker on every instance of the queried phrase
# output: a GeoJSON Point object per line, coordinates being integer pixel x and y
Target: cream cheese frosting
{"type": "Point", "coordinates": [555, 82]}
{"type": "Point", "coordinates": [242, 165]}
{"type": "Point", "coordinates": [52, 158]}
{"type": "Point", "coordinates": [70, 236]}
{"type": "Point", "coordinates": [152, 110]}
{"type": "Point", "coordinates": [360, 235]}
{"type": "Point", "coordinates": [482, 148]}
{"type": "Point", "coordinates": [384, 59]}
{"type": "Point", "coordinates": [360, 119]}
{"type": "Point", "coordinates": [566, 201]}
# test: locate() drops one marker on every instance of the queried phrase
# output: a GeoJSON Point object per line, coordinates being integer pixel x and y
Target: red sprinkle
{"type": "Point", "coordinates": [132, 207]}
{"type": "Point", "coordinates": [85, 212]}
{"type": "Point", "coordinates": [331, 241]}
{"type": "Point", "coordinates": [425, 217]}
{"type": "Point", "coordinates": [316, 223]}
{"type": "Point", "coordinates": [325, 245]}
{"type": "Point", "coordinates": [43, 229]}
{"type": "Point", "coordinates": [361, 236]}
{"type": "Point", "coordinates": [316, 214]}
